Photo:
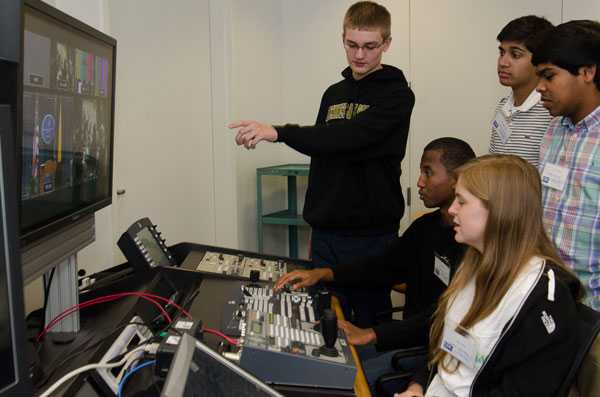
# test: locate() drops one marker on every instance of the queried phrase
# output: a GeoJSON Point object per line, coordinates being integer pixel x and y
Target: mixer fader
{"type": "Point", "coordinates": [297, 306]}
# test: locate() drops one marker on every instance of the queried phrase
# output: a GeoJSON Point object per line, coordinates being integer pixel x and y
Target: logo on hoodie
{"type": "Point", "coordinates": [548, 322]}
{"type": "Point", "coordinates": [344, 110]}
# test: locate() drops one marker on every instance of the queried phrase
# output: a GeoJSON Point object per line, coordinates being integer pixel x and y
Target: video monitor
{"type": "Point", "coordinates": [198, 371]}
{"type": "Point", "coordinates": [67, 125]}
{"type": "Point", "coordinates": [14, 379]}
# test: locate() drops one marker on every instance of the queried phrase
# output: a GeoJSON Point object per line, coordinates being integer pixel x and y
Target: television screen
{"type": "Point", "coordinates": [67, 126]}
{"type": "Point", "coordinates": [13, 377]}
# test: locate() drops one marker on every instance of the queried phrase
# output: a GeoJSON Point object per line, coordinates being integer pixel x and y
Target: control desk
{"type": "Point", "coordinates": [274, 333]}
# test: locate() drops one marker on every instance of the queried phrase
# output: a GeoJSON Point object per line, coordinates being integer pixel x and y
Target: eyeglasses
{"type": "Point", "coordinates": [353, 47]}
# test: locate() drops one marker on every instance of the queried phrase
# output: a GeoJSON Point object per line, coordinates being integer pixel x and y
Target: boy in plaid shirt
{"type": "Point", "coordinates": [568, 63]}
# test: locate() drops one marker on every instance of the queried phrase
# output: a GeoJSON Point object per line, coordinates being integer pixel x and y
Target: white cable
{"type": "Point", "coordinates": [128, 364]}
{"type": "Point", "coordinates": [76, 372]}
{"type": "Point", "coordinates": [124, 369]}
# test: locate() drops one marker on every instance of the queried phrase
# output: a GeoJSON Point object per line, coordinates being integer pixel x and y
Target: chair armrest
{"type": "Point", "coordinates": [405, 353]}
{"type": "Point", "coordinates": [396, 382]}
{"type": "Point", "coordinates": [389, 380]}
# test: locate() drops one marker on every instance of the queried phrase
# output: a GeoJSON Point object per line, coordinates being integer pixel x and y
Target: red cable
{"type": "Point", "coordinates": [222, 335]}
{"type": "Point", "coordinates": [92, 302]}
{"type": "Point", "coordinates": [69, 311]}
{"type": "Point", "coordinates": [73, 309]}
{"type": "Point", "coordinates": [103, 299]}
{"type": "Point", "coordinates": [170, 302]}
{"type": "Point", "coordinates": [108, 298]}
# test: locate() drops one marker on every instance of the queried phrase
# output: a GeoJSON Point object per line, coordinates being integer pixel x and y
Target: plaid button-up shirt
{"type": "Point", "coordinates": [572, 216]}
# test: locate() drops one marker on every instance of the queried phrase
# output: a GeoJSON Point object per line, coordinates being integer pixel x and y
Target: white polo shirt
{"type": "Point", "coordinates": [519, 130]}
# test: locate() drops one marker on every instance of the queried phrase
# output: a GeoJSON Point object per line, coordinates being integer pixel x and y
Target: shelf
{"type": "Point", "coordinates": [288, 217]}
{"type": "Point", "coordinates": [285, 217]}
{"type": "Point", "coordinates": [285, 169]}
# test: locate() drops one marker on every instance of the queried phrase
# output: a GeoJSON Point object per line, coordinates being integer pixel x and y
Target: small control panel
{"type": "Point", "coordinates": [238, 265]}
{"type": "Point", "coordinates": [144, 247]}
{"type": "Point", "coordinates": [279, 344]}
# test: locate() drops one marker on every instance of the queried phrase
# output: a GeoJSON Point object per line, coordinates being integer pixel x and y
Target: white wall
{"type": "Point", "coordinates": [185, 69]}
{"type": "Point", "coordinates": [92, 12]}
{"type": "Point", "coordinates": [224, 159]}
{"type": "Point", "coordinates": [163, 123]}
{"type": "Point", "coordinates": [256, 94]}
{"type": "Point", "coordinates": [581, 9]}
{"type": "Point", "coordinates": [453, 55]}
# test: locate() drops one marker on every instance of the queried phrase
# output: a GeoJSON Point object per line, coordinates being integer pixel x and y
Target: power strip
{"type": "Point", "coordinates": [133, 335]}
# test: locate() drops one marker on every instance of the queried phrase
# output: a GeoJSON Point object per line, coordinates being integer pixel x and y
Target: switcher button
{"type": "Point", "coordinates": [311, 314]}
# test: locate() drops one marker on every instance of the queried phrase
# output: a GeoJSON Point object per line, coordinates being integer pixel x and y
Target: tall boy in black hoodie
{"type": "Point", "coordinates": [354, 200]}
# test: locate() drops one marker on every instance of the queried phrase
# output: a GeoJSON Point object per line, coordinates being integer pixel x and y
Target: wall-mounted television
{"type": "Point", "coordinates": [67, 126]}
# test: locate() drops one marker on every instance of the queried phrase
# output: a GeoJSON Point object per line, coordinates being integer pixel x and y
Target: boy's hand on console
{"type": "Point", "coordinates": [303, 278]}
{"type": "Point", "coordinates": [357, 336]}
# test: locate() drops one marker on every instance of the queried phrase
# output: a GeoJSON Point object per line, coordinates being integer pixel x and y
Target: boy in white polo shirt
{"type": "Point", "coordinates": [520, 120]}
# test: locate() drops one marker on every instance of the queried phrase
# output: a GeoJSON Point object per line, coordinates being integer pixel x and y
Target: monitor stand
{"type": "Point", "coordinates": [63, 294]}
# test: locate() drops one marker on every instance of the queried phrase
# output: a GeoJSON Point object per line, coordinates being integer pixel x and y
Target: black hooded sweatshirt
{"type": "Point", "coordinates": [541, 348]}
{"type": "Point", "coordinates": [356, 148]}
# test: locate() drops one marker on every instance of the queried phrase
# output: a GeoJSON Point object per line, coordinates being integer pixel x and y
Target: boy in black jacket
{"type": "Point", "coordinates": [354, 200]}
{"type": "Point", "coordinates": [425, 257]}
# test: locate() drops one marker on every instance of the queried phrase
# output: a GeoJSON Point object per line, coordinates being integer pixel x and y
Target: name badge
{"type": "Point", "coordinates": [441, 270]}
{"type": "Point", "coordinates": [460, 345]}
{"type": "Point", "coordinates": [554, 176]}
{"type": "Point", "coordinates": [501, 126]}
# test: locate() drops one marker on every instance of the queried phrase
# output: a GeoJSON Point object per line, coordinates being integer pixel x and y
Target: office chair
{"type": "Point", "coordinates": [386, 385]}
{"type": "Point", "coordinates": [586, 367]}
{"type": "Point", "coordinates": [582, 381]}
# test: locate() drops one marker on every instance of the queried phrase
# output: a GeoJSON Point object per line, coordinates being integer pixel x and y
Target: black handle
{"type": "Point", "coordinates": [324, 301]}
{"type": "Point", "coordinates": [329, 330]}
